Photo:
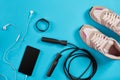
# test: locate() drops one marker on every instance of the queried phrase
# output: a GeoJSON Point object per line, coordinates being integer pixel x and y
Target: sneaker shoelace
{"type": "Point", "coordinates": [113, 20]}
{"type": "Point", "coordinates": [99, 41]}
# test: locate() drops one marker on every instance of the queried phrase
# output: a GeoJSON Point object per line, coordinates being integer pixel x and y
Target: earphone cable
{"type": "Point", "coordinates": [3, 76]}
{"type": "Point", "coordinates": [25, 77]}
{"type": "Point", "coordinates": [5, 59]}
{"type": "Point", "coordinates": [28, 24]}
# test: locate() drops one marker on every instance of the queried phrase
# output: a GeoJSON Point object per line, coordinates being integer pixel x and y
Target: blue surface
{"type": "Point", "coordinates": [66, 17]}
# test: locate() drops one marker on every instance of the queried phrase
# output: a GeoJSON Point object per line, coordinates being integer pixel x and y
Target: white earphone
{"type": "Point", "coordinates": [5, 28]}
{"type": "Point", "coordinates": [18, 37]}
{"type": "Point", "coordinates": [31, 13]}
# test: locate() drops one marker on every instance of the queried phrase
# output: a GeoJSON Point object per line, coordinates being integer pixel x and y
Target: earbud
{"type": "Point", "coordinates": [5, 27]}
{"type": "Point", "coordinates": [31, 13]}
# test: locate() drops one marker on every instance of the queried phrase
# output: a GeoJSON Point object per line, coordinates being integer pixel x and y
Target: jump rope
{"type": "Point", "coordinates": [75, 53]}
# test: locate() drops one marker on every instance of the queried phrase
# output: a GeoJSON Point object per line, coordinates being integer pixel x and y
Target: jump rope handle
{"type": "Point", "coordinates": [56, 41]}
{"type": "Point", "coordinates": [58, 56]}
{"type": "Point", "coordinates": [53, 65]}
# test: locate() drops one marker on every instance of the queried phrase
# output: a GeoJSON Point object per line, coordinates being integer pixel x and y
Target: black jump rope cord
{"type": "Point", "coordinates": [75, 53]}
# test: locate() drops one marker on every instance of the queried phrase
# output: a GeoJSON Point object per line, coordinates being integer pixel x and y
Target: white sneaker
{"type": "Point", "coordinates": [95, 39]}
{"type": "Point", "coordinates": [106, 17]}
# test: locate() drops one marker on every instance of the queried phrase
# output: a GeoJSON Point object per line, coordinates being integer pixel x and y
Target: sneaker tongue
{"type": "Point", "coordinates": [108, 46]}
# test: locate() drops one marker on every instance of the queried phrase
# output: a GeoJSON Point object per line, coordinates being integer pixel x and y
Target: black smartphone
{"type": "Point", "coordinates": [29, 60]}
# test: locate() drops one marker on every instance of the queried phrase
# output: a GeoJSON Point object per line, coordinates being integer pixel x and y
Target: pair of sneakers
{"type": "Point", "coordinates": [97, 40]}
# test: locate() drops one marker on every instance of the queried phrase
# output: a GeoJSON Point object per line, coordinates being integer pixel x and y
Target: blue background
{"type": "Point", "coordinates": [66, 17]}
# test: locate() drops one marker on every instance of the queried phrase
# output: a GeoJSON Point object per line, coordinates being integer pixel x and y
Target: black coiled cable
{"type": "Point", "coordinates": [75, 53]}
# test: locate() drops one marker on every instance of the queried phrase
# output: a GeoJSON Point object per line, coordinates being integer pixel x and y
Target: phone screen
{"type": "Point", "coordinates": [29, 60]}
